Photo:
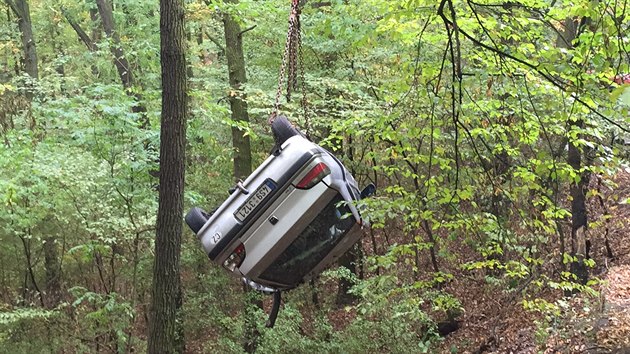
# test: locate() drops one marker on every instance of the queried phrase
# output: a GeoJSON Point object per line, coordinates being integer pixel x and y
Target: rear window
{"type": "Point", "coordinates": [312, 245]}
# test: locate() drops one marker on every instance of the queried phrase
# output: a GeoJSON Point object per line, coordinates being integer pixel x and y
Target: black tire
{"type": "Point", "coordinates": [282, 130]}
{"type": "Point", "coordinates": [196, 218]}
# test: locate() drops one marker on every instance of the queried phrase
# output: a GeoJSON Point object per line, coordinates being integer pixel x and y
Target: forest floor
{"type": "Point", "coordinates": [493, 323]}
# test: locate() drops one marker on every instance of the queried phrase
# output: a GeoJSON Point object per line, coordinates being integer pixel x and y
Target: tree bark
{"type": "Point", "coordinates": [122, 65]}
{"type": "Point", "coordinates": [53, 272]}
{"type": "Point", "coordinates": [352, 257]}
{"type": "Point", "coordinates": [579, 221]}
{"type": "Point", "coordinates": [84, 37]}
{"type": "Point", "coordinates": [349, 260]}
{"type": "Point", "coordinates": [90, 42]}
{"type": "Point", "coordinates": [22, 12]}
{"type": "Point", "coordinates": [29, 62]}
{"type": "Point", "coordinates": [30, 283]}
{"type": "Point", "coordinates": [165, 327]}
{"type": "Point", "coordinates": [242, 149]}
{"type": "Point", "coordinates": [120, 61]}
{"type": "Point", "coordinates": [238, 103]}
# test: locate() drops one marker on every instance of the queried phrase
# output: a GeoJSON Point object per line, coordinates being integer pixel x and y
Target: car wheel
{"type": "Point", "coordinates": [282, 130]}
{"type": "Point", "coordinates": [196, 218]}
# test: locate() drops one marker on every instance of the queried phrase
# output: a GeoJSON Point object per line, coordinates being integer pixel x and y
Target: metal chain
{"type": "Point", "coordinates": [285, 56]}
{"type": "Point", "coordinates": [291, 61]}
{"type": "Point", "coordinates": [293, 52]}
{"type": "Point", "coordinates": [301, 65]}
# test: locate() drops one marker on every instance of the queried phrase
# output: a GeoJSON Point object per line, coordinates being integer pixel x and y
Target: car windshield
{"type": "Point", "coordinates": [312, 245]}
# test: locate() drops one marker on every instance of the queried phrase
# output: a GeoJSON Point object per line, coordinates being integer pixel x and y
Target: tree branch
{"type": "Point", "coordinates": [536, 68]}
{"type": "Point", "coordinates": [216, 42]}
{"type": "Point", "coordinates": [246, 30]}
{"type": "Point", "coordinates": [317, 5]}
{"type": "Point", "coordinates": [80, 32]}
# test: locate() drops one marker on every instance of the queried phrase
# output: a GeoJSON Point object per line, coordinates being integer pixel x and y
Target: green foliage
{"type": "Point", "coordinates": [16, 324]}
{"type": "Point", "coordinates": [24, 314]}
{"type": "Point", "coordinates": [464, 132]}
{"type": "Point", "coordinates": [288, 337]}
{"type": "Point", "coordinates": [103, 315]}
{"type": "Point", "coordinates": [388, 335]}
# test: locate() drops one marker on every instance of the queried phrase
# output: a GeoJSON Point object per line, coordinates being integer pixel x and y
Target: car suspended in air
{"type": "Point", "coordinates": [291, 218]}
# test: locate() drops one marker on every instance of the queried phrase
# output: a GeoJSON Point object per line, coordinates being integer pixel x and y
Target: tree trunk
{"type": "Point", "coordinates": [84, 37]}
{"type": "Point", "coordinates": [122, 65]}
{"type": "Point", "coordinates": [120, 61]}
{"type": "Point", "coordinates": [21, 10]}
{"type": "Point", "coordinates": [579, 242]}
{"type": "Point", "coordinates": [165, 327]}
{"type": "Point", "coordinates": [238, 103]}
{"type": "Point", "coordinates": [348, 260]}
{"type": "Point", "coordinates": [95, 36]}
{"type": "Point", "coordinates": [58, 47]}
{"type": "Point", "coordinates": [29, 62]}
{"type": "Point", "coordinates": [30, 65]}
{"type": "Point", "coordinates": [242, 149]}
{"type": "Point", "coordinates": [95, 29]}
{"type": "Point", "coordinates": [53, 272]}
{"type": "Point", "coordinates": [250, 332]}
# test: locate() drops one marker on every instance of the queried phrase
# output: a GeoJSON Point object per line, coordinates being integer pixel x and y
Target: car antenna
{"type": "Point", "coordinates": [292, 64]}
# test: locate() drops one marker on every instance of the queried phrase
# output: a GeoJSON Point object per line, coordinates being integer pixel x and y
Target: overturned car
{"type": "Point", "coordinates": [292, 217]}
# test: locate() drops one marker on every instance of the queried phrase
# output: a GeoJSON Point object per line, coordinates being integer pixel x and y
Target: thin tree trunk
{"type": "Point", "coordinates": [58, 47]}
{"type": "Point", "coordinates": [165, 326]}
{"type": "Point", "coordinates": [606, 216]}
{"type": "Point", "coordinates": [83, 36]}
{"type": "Point", "coordinates": [22, 12]}
{"type": "Point", "coordinates": [238, 103]}
{"type": "Point", "coordinates": [579, 241]}
{"type": "Point", "coordinates": [120, 61]}
{"type": "Point", "coordinates": [348, 260]}
{"type": "Point", "coordinates": [95, 29]}
{"type": "Point", "coordinates": [351, 258]}
{"type": "Point", "coordinates": [29, 281]}
{"type": "Point", "coordinates": [4, 58]}
{"type": "Point", "coordinates": [53, 272]}
{"type": "Point", "coordinates": [242, 149]}
{"type": "Point", "coordinates": [95, 36]}
{"type": "Point", "coordinates": [579, 220]}
{"type": "Point", "coordinates": [429, 231]}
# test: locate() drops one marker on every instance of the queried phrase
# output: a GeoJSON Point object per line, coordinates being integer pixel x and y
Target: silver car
{"type": "Point", "coordinates": [292, 217]}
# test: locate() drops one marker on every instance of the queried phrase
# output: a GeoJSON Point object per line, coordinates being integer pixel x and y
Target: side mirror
{"type": "Point", "coordinates": [368, 191]}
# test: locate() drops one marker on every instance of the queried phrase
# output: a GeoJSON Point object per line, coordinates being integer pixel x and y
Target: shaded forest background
{"type": "Point", "coordinates": [497, 133]}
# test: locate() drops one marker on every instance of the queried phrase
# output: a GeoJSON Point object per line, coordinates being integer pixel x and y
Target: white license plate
{"type": "Point", "coordinates": [254, 200]}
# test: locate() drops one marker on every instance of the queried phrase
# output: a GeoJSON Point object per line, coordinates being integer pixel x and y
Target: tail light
{"type": "Point", "coordinates": [235, 259]}
{"type": "Point", "coordinates": [314, 176]}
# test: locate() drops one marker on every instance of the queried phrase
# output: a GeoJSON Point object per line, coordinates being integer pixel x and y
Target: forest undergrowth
{"type": "Point", "coordinates": [493, 322]}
